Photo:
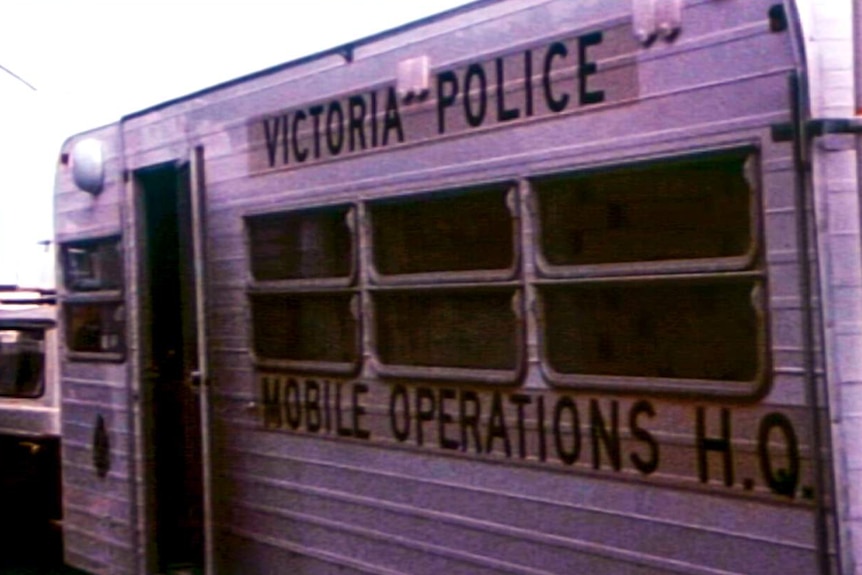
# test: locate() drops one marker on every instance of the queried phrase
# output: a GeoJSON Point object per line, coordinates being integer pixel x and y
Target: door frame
{"type": "Point", "coordinates": [193, 270]}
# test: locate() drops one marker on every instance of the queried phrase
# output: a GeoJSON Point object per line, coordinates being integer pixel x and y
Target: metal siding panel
{"type": "Point", "coordinates": [398, 552]}
{"type": "Point", "coordinates": [514, 530]}
{"type": "Point", "coordinates": [423, 500]}
{"type": "Point", "coordinates": [96, 510]}
{"type": "Point", "coordinates": [96, 555]}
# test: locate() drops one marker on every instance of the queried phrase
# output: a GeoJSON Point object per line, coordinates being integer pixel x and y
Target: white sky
{"type": "Point", "coordinates": [93, 61]}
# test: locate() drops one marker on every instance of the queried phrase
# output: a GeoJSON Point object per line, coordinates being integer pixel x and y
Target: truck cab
{"type": "Point", "coordinates": [30, 484]}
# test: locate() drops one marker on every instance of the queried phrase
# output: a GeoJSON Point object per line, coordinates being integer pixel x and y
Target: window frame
{"type": "Point", "coordinates": [347, 285]}
{"type": "Point", "coordinates": [41, 383]}
{"type": "Point", "coordinates": [530, 274]}
{"type": "Point", "coordinates": [490, 376]}
{"type": "Point", "coordinates": [508, 278]}
{"type": "Point", "coordinates": [321, 367]}
{"type": "Point", "coordinates": [510, 190]}
{"type": "Point", "coordinates": [348, 280]}
{"type": "Point", "coordinates": [75, 296]}
{"type": "Point", "coordinates": [657, 384]}
{"type": "Point", "coordinates": [751, 173]}
{"type": "Point", "coordinates": [748, 266]}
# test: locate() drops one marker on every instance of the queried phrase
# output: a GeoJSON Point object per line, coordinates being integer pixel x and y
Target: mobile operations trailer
{"type": "Point", "coordinates": [531, 286]}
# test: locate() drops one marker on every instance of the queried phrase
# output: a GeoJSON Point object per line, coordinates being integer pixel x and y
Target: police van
{"type": "Point", "coordinates": [528, 287]}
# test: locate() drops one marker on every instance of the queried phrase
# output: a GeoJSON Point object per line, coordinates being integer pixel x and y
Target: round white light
{"type": "Point", "coordinates": [88, 167]}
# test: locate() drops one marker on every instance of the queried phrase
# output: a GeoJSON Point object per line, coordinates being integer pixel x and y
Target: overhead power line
{"type": "Point", "coordinates": [17, 77]}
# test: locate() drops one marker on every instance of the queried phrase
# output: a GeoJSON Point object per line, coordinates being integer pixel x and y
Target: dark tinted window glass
{"type": "Point", "coordinates": [443, 232]}
{"type": "Point", "coordinates": [456, 329]}
{"type": "Point", "coordinates": [301, 245]}
{"type": "Point", "coordinates": [22, 362]}
{"type": "Point", "coordinates": [93, 265]}
{"type": "Point", "coordinates": [669, 329]}
{"type": "Point", "coordinates": [691, 209]}
{"type": "Point", "coordinates": [95, 327]}
{"type": "Point", "coordinates": [305, 327]}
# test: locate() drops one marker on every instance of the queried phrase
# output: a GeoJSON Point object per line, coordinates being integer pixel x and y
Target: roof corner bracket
{"type": "Point", "coordinates": [346, 52]}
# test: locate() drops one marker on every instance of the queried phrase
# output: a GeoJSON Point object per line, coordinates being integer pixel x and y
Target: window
{"type": "Point", "coordinates": [677, 215]}
{"type": "Point", "coordinates": [93, 265]}
{"type": "Point", "coordinates": [316, 327]}
{"type": "Point", "coordinates": [303, 296]}
{"type": "Point", "coordinates": [95, 327]}
{"type": "Point", "coordinates": [22, 362]}
{"type": "Point", "coordinates": [93, 308]}
{"type": "Point", "coordinates": [446, 301]}
{"type": "Point", "coordinates": [467, 329]}
{"type": "Point", "coordinates": [648, 276]}
{"type": "Point", "coordinates": [688, 329]}
{"type": "Point", "coordinates": [641, 278]}
{"type": "Point", "coordinates": [312, 244]}
{"type": "Point", "coordinates": [467, 233]}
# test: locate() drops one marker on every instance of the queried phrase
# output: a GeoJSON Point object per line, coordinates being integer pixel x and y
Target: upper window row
{"type": "Point", "coordinates": [645, 273]}
{"type": "Point", "coordinates": [688, 214]}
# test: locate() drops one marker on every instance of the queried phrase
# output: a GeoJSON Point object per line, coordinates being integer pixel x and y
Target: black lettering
{"type": "Point", "coordinates": [285, 138]}
{"type": "Point", "coordinates": [339, 428]}
{"type": "Point", "coordinates": [497, 426]}
{"type": "Point", "coordinates": [521, 400]}
{"type": "Point", "coordinates": [528, 83]}
{"type": "Point", "coordinates": [447, 93]}
{"type": "Point", "coordinates": [312, 406]}
{"type": "Point", "coordinates": [300, 154]}
{"type": "Point", "coordinates": [392, 119]}
{"type": "Point", "coordinates": [373, 119]}
{"type": "Point", "coordinates": [649, 465]}
{"type": "Point", "coordinates": [470, 419]}
{"type": "Point", "coordinates": [588, 68]}
{"type": "Point", "coordinates": [399, 394]}
{"type": "Point", "coordinates": [475, 118]}
{"type": "Point", "coordinates": [272, 402]}
{"type": "Point", "coordinates": [540, 423]}
{"type": "Point", "coordinates": [272, 132]}
{"type": "Point", "coordinates": [315, 112]}
{"type": "Point", "coordinates": [335, 138]}
{"type": "Point", "coordinates": [359, 411]}
{"type": "Point", "coordinates": [721, 444]}
{"type": "Point", "coordinates": [444, 418]}
{"type": "Point", "coordinates": [782, 481]}
{"type": "Point", "coordinates": [357, 122]}
{"type": "Point", "coordinates": [557, 49]}
{"type": "Point", "coordinates": [425, 409]}
{"type": "Point", "coordinates": [602, 436]}
{"type": "Point", "coordinates": [567, 456]}
{"type": "Point", "coordinates": [292, 404]}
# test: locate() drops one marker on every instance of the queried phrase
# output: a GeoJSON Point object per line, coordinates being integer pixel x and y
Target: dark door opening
{"type": "Point", "coordinates": [172, 413]}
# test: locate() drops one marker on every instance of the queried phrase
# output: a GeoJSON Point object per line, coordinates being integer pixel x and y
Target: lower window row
{"type": "Point", "coordinates": [680, 329]}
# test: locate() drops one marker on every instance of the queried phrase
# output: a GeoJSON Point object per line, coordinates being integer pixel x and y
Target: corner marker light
{"type": "Point", "coordinates": [88, 167]}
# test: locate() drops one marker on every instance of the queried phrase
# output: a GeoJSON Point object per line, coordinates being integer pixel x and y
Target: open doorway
{"type": "Point", "coordinates": [171, 410]}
